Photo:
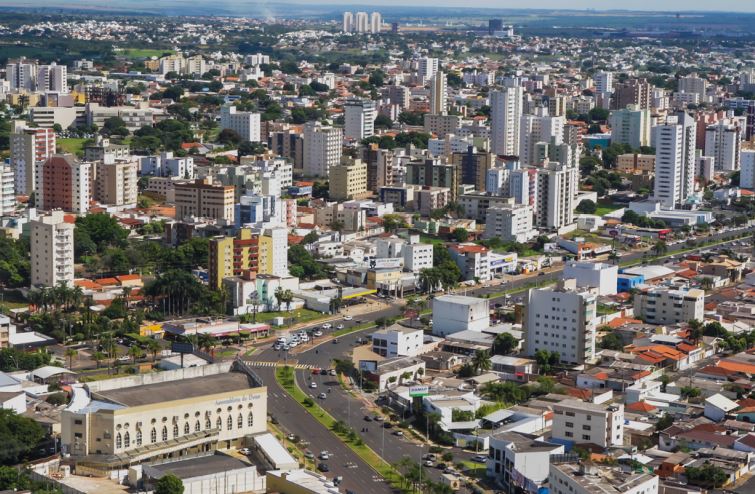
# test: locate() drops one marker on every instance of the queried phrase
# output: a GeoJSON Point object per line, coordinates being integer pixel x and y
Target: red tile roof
{"type": "Point", "coordinates": [640, 406]}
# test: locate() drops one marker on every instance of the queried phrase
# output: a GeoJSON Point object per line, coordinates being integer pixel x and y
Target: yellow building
{"type": "Point", "coordinates": [348, 180]}
{"type": "Point", "coordinates": [383, 278]}
{"type": "Point", "coordinates": [205, 199]}
{"type": "Point", "coordinates": [120, 422]}
{"type": "Point", "coordinates": [231, 256]}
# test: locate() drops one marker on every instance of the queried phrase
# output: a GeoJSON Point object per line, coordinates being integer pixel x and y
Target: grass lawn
{"type": "Point", "coordinates": [427, 239]}
{"type": "Point", "coordinates": [353, 329]}
{"type": "Point", "coordinates": [144, 52]}
{"type": "Point", "coordinates": [73, 145]}
{"type": "Point", "coordinates": [300, 315]}
{"type": "Point", "coordinates": [286, 378]}
{"type": "Point", "coordinates": [601, 210]}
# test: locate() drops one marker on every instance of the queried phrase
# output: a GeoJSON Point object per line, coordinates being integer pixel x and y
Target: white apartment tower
{"type": "Point", "coordinates": [51, 250]}
{"type": "Point", "coordinates": [675, 159]}
{"type": "Point", "coordinates": [359, 118]}
{"type": "Point", "coordinates": [7, 190]}
{"type": "Point", "coordinates": [376, 22]}
{"type": "Point", "coordinates": [603, 82]}
{"type": "Point", "coordinates": [52, 78]}
{"type": "Point", "coordinates": [28, 148]}
{"type": "Point", "coordinates": [426, 69]}
{"type": "Point", "coordinates": [561, 319]}
{"type": "Point", "coordinates": [348, 22]}
{"type": "Point", "coordinates": [723, 143]}
{"type": "Point", "coordinates": [246, 124]}
{"type": "Point", "coordinates": [510, 222]}
{"type": "Point", "coordinates": [631, 126]}
{"type": "Point", "coordinates": [322, 148]}
{"type": "Point", "coordinates": [22, 74]}
{"type": "Point", "coordinates": [556, 189]}
{"type": "Point", "coordinates": [538, 128]}
{"type": "Point", "coordinates": [362, 21]}
{"type": "Point", "coordinates": [505, 114]}
{"type": "Point", "coordinates": [438, 94]}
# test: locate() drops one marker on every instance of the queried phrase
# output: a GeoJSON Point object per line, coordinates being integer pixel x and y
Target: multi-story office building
{"type": "Point", "coordinates": [561, 319]}
{"type": "Point", "coordinates": [633, 92]}
{"type": "Point", "coordinates": [523, 186]}
{"type": "Point", "coordinates": [669, 306]}
{"type": "Point", "coordinates": [65, 184]}
{"type": "Point", "coordinates": [289, 144]}
{"type": "Point", "coordinates": [204, 199]}
{"type": "Point", "coordinates": [579, 422]}
{"type": "Point", "coordinates": [722, 142]}
{"type": "Point", "coordinates": [116, 183]}
{"type": "Point", "coordinates": [515, 459]}
{"type": "Point", "coordinates": [455, 313]}
{"type": "Point", "coordinates": [125, 422]}
{"type": "Point", "coordinates": [52, 78]}
{"type": "Point", "coordinates": [630, 126]}
{"type": "Point", "coordinates": [29, 147]}
{"type": "Point", "coordinates": [245, 123]}
{"type": "Point", "coordinates": [505, 115]}
{"type": "Point", "coordinates": [433, 173]}
{"type": "Point", "coordinates": [348, 180]}
{"type": "Point", "coordinates": [438, 93]}
{"type": "Point", "coordinates": [359, 118]}
{"type": "Point", "coordinates": [747, 174]}
{"type": "Point", "coordinates": [510, 222]}
{"type": "Point", "coordinates": [322, 148]}
{"type": "Point", "coordinates": [675, 159]}
{"type": "Point", "coordinates": [232, 256]}
{"type": "Point", "coordinates": [694, 85]}
{"type": "Point", "coordinates": [397, 341]}
{"type": "Point", "coordinates": [572, 478]}
{"type": "Point", "coordinates": [556, 189]}
{"type": "Point", "coordinates": [51, 240]}
{"type": "Point", "coordinates": [473, 260]}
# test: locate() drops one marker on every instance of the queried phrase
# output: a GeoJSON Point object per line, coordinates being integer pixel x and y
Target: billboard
{"type": "Point", "coordinates": [415, 391]}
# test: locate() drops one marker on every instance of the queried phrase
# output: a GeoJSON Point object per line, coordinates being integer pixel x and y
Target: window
{"type": "Point", "coordinates": [153, 435]}
{"type": "Point", "coordinates": [208, 424]}
{"type": "Point", "coordinates": [586, 428]}
{"type": "Point", "coordinates": [186, 428]}
{"type": "Point", "coordinates": [585, 437]}
{"type": "Point", "coordinates": [138, 438]}
{"type": "Point", "coordinates": [219, 423]}
{"type": "Point", "coordinates": [229, 423]}
{"type": "Point", "coordinates": [126, 440]}
{"type": "Point", "coordinates": [175, 430]}
{"type": "Point", "coordinates": [250, 420]}
{"type": "Point", "coordinates": [570, 424]}
{"type": "Point", "coordinates": [197, 427]}
{"type": "Point", "coordinates": [118, 441]}
{"type": "Point", "coordinates": [240, 422]}
{"type": "Point", "coordinates": [568, 434]}
{"type": "Point", "coordinates": [165, 433]}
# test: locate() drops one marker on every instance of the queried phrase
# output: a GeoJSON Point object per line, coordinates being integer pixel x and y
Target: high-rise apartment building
{"type": "Point", "coordinates": [204, 199]}
{"type": "Point", "coordinates": [116, 183]}
{"type": "Point", "coordinates": [348, 22]}
{"type": "Point", "coordinates": [348, 180]}
{"type": "Point", "coordinates": [273, 251]}
{"type": "Point", "coordinates": [538, 128]}
{"type": "Point", "coordinates": [426, 69]}
{"type": "Point", "coordinates": [723, 142]}
{"type": "Point", "coordinates": [631, 126]}
{"type": "Point", "coordinates": [376, 22]}
{"type": "Point", "coordinates": [27, 75]}
{"type": "Point", "coordinates": [66, 184]}
{"type": "Point", "coordinates": [400, 95]}
{"type": "Point", "coordinates": [675, 159]}
{"type": "Point", "coordinates": [505, 115]}
{"type": "Point", "coordinates": [28, 147]}
{"type": "Point", "coordinates": [603, 82]}
{"type": "Point", "coordinates": [245, 123]}
{"type": "Point", "coordinates": [7, 190]}
{"type": "Point", "coordinates": [556, 189]}
{"type": "Point", "coordinates": [634, 92]}
{"type": "Point", "coordinates": [232, 256]}
{"type": "Point", "coordinates": [562, 320]}
{"type": "Point", "coordinates": [362, 22]}
{"type": "Point", "coordinates": [494, 25]}
{"type": "Point", "coordinates": [359, 118]}
{"type": "Point", "coordinates": [474, 166]}
{"type": "Point", "coordinates": [510, 222]}
{"type": "Point", "coordinates": [438, 94]}
{"type": "Point", "coordinates": [668, 306]}
{"type": "Point", "coordinates": [322, 148]}
{"type": "Point", "coordinates": [52, 78]}
{"type": "Point", "coordinates": [51, 240]}
{"type": "Point", "coordinates": [694, 85]}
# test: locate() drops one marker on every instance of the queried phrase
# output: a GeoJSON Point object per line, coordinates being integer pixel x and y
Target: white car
{"type": "Point", "coordinates": [317, 332]}
{"type": "Point", "coordinates": [281, 340]}
{"type": "Point", "coordinates": [327, 325]}
{"type": "Point", "coordinates": [304, 338]}
{"type": "Point", "coordinates": [293, 344]}
{"type": "Point", "coordinates": [347, 318]}
{"type": "Point", "coordinates": [245, 451]}
{"type": "Point", "coordinates": [313, 385]}
{"type": "Point", "coordinates": [340, 326]}
{"type": "Point", "coordinates": [324, 455]}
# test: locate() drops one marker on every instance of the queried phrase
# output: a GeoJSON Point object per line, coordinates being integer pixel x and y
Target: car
{"type": "Point", "coordinates": [367, 418]}
{"type": "Point", "coordinates": [315, 371]}
{"type": "Point", "coordinates": [441, 466]}
{"type": "Point", "coordinates": [317, 333]}
{"type": "Point", "coordinates": [323, 372]}
{"type": "Point", "coordinates": [398, 433]}
{"type": "Point", "coordinates": [281, 340]}
{"type": "Point", "coordinates": [293, 344]}
{"type": "Point", "coordinates": [309, 455]}
{"type": "Point", "coordinates": [337, 480]}
{"type": "Point", "coordinates": [245, 451]}
{"type": "Point", "coordinates": [379, 418]}
{"type": "Point", "coordinates": [304, 338]}
{"type": "Point", "coordinates": [480, 458]}
{"type": "Point", "coordinates": [429, 463]}
{"type": "Point", "coordinates": [387, 425]}
{"type": "Point", "coordinates": [285, 347]}
{"type": "Point", "coordinates": [291, 436]}
{"type": "Point", "coordinates": [325, 455]}
{"type": "Point", "coordinates": [335, 340]}
{"type": "Point", "coordinates": [123, 358]}
{"type": "Point", "coordinates": [327, 325]}
{"type": "Point", "coordinates": [323, 467]}
{"type": "Point", "coordinates": [277, 346]}
{"type": "Point", "coordinates": [322, 396]}
{"type": "Point", "coordinates": [313, 385]}
{"type": "Point", "coordinates": [541, 273]}
{"type": "Point", "coordinates": [430, 456]}
{"type": "Point", "coordinates": [347, 318]}
{"type": "Point", "coordinates": [448, 471]}
{"type": "Point", "coordinates": [340, 326]}
{"type": "Point", "coordinates": [332, 372]}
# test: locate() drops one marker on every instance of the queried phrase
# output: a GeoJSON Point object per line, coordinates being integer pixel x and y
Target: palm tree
{"type": "Point", "coordinates": [70, 354]}
{"type": "Point", "coordinates": [660, 248]}
{"type": "Point", "coordinates": [135, 352]}
{"type": "Point", "coordinates": [154, 347]}
{"type": "Point", "coordinates": [254, 301]}
{"type": "Point", "coordinates": [279, 296]}
{"type": "Point", "coordinates": [706, 283]}
{"type": "Point", "coordinates": [127, 295]}
{"type": "Point", "coordinates": [98, 357]}
{"type": "Point", "coordinates": [481, 361]}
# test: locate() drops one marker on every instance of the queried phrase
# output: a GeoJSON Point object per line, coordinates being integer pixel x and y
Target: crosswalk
{"type": "Point", "coordinates": [297, 366]}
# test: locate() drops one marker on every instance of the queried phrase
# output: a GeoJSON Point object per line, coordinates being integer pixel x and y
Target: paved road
{"type": "Point", "coordinates": [293, 418]}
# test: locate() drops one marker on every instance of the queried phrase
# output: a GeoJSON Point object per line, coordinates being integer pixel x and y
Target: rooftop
{"type": "Point", "coordinates": [177, 390]}
{"type": "Point", "coordinates": [599, 480]}
{"type": "Point", "coordinates": [199, 467]}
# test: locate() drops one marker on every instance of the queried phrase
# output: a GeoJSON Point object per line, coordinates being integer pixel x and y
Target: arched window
{"type": "Point", "coordinates": [250, 420]}
{"type": "Point", "coordinates": [186, 428]}
{"type": "Point", "coordinates": [138, 437]}
{"type": "Point", "coordinates": [126, 440]}
{"type": "Point", "coordinates": [153, 435]}
{"type": "Point", "coordinates": [219, 423]}
{"type": "Point", "coordinates": [229, 423]}
{"type": "Point", "coordinates": [240, 422]}
{"type": "Point", "coordinates": [118, 441]}
{"type": "Point", "coordinates": [196, 426]}
{"type": "Point", "coordinates": [208, 424]}
{"type": "Point", "coordinates": [165, 433]}
{"type": "Point", "coordinates": [175, 430]}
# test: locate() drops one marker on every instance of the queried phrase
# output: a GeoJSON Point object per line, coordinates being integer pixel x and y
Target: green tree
{"type": "Point", "coordinates": [461, 234]}
{"type": "Point", "coordinates": [660, 248]}
{"type": "Point", "coordinates": [19, 436]}
{"type": "Point", "coordinates": [664, 422]}
{"type": "Point", "coordinates": [504, 344]}
{"type": "Point", "coordinates": [481, 361]}
{"type": "Point", "coordinates": [612, 341]}
{"type": "Point", "coordinates": [169, 484]}
{"type": "Point", "coordinates": [587, 206]}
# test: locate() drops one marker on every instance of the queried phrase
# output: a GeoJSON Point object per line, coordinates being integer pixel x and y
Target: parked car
{"type": "Point", "coordinates": [245, 451]}
{"type": "Point", "coordinates": [480, 458]}
{"type": "Point", "coordinates": [324, 455]}
{"type": "Point", "coordinates": [347, 318]}
{"type": "Point", "coordinates": [340, 326]}
{"type": "Point", "coordinates": [313, 385]}
{"type": "Point", "coordinates": [317, 333]}
{"type": "Point", "coordinates": [367, 418]}
{"type": "Point", "coordinates": [327, 325]}
{"type": "Point", "coordinates": [323, 467]}
{"type": "Point", "coordinates": [398, 433]}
